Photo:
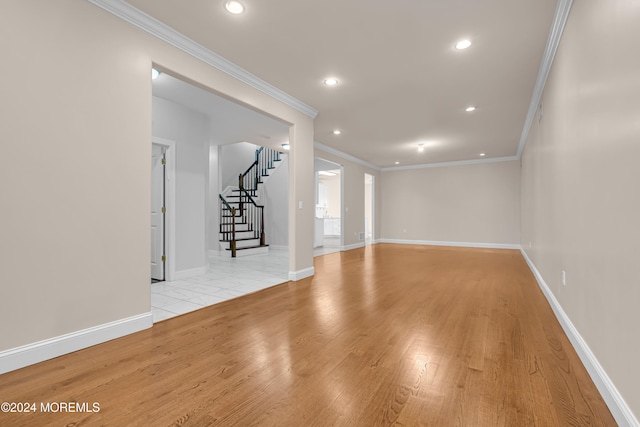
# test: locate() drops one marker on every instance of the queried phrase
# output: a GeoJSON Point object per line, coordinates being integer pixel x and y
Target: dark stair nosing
{"type": "Point", "coordinates": [249, 247]}
{"type": "Point", "coordinates": [243, 239]}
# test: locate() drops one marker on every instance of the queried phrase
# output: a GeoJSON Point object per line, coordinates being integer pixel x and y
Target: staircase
{"type": "Point", "coordinates": [242, 210]}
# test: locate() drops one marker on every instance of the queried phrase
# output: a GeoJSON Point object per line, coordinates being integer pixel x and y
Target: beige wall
{"type": "Point", "coordinates": [75, 181]}
{"type": "Point", "coordinates": [476, 203]}
{"type": "Point", "coordinates": [353, 197]}
{"type": "Point", "coordinates": [580, 178]}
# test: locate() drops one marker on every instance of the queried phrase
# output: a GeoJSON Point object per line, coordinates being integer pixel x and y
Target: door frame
{"type": "Point", "coordinates": [373, 209]}
{"type": "Point", "coordinates": [342, 208]}
{"type": "Point", "coordinates": [170, 204]}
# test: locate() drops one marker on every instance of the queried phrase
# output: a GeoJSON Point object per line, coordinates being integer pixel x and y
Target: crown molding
{"type": "Point", "coordinates": [557, 27]}
{"type": "Point", "coordinates": [447, 164]}
{"type": "Point", "coordinates": [147, 23]}
{"type": "Point", "coordinates": [345, 156]}
{"type": "Point", "coordinates": [361, 162]}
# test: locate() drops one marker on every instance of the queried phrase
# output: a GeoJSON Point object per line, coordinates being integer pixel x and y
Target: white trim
{"type": "Point", "coordinates": [557, 27]}
{"type": "Point", "coordinates": [373, 211]}
{"type": "Point", "coordinates": [147, 23]}
{"type": "Point", "coordinates": [343, 213]}
{"type": "Point", "coordinates": [447, 164]}
{"type": "Point", "coordinates": [616, 403]}
{"type": "Point", "coordinates": [353, 246]}
{"type": "Point", "coordinates": [279, 248]}
{"type": "Point", "coordinates": [457, 244]}
{"type": "Point", "coordinates": [214, 252]}
{"type": "Point", "coordinates": [40, 351]}
{"type": "Point", "coordinates": [301, 274]}
{"type": "Point", "coordinates": [184, 274]}
{"type": "Point", "coordinates": [343, 155]}
{"type": "Point", "coordinates": [170, 203]}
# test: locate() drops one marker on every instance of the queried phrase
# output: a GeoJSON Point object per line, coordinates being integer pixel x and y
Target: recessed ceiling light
{"type": "Point", "coordinates": [285, 146]}
{"type": "Point", "coordinates": [397, 163]}
{"type": "Point", "coordinates": [154, 74]}
{"type": "Point", "coordinates": [331, 81]}
{"type": "Point", "coordinates": [337, 132]}
{"type": "Point", "coordinates": [483, 154]}
{"type": "Point", "coordinates": [234, 7]}
{"type": "Point", "coordinates": [421, 147]}
{"type": "Point", "coordinates": [463, 44]}
{"type": "Point", "coordinates": [470, 109]}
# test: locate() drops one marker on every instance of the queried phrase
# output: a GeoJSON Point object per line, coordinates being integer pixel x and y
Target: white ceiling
{"type": "Point", "coordinates": [232, 122]}
{"type": "Point", "coordinates": [402, 82]}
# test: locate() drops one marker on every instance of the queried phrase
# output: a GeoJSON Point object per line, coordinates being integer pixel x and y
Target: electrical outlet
{"type": "Point", "coordinates": [564, 278]}
{"type": "Point", "coordinates": [540, 112]}
{"type": "Point", "coordinates": [404, 230]}
{"type": "Point", "coordinates": [529, 244]}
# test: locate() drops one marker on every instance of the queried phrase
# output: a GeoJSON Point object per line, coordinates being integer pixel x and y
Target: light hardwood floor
{"type": "Point", "coordinates": [385, 335]}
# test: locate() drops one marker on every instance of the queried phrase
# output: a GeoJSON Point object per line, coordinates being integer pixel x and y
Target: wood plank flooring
{"type": "Point", "coordinates": [384, 335]}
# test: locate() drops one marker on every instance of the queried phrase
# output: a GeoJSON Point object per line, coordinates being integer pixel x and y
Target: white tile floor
{"type": "Point", "coordinates": [226, 278]}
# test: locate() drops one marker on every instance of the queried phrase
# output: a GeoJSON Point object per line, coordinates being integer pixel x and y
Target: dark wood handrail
{"type": "Point", "coordinates": [223, 227]}
{"type": "Point", "coordinates": [264, 159]}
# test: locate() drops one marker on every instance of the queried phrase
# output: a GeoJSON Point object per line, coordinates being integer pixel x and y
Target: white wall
{"type": "Point", "coordinates": [234, 160]}
{"type": "Point", "coordinates": [476, 203]}
{"type": "Point", "coordinates": [189, 129]}
{"type": "Point", "coordinates": [580, 176]}
{"type": "Point", "coordinates": [212, 211]}
{"type": "Point", "coordinates": [276, 191]}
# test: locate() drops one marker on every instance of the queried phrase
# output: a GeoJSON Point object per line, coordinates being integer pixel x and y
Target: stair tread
{"type": "Point", "coordinates": [250, 247]}
{"type": "Point", "coordinates": [242, 239]}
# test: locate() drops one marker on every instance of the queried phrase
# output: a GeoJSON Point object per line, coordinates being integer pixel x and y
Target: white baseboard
{"type": "Point", "coordinates": [29, 354]}
{"type": "Point", "coordinates": [183, 274]}
{"type": "Point", "coordinates": [616, 403]}
{"type": "Point", "coordinates": [353, 246]}
{"type": "Point", "coordinates": [460, 244]}
{"type": "Point", "coordinates": [279, 248]}
{"type": "Point", "coordinates": [301, 274]}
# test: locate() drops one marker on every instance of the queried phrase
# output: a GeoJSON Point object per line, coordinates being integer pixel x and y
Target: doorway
{"type": "Point", "coordinates": [328, 210]}
{"type": "Point", "coordinates": [201, 122]}
{"type": "Point", "coordinates": [158, 209]}
{"type": "Point", "coordinates": [162, 236]}
{"type": "Point", "coordinates": [368, 208]}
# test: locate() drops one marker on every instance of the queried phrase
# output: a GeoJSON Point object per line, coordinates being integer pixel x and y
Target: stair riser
{"type": "Point", "coordinates": [244, 235]}
{"type": "Point", "coordinates": [247, 252]}
{"type": "Point", "coordinates": [246, 243]}
{"type": "Point", "coordinates": [239, 227]}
